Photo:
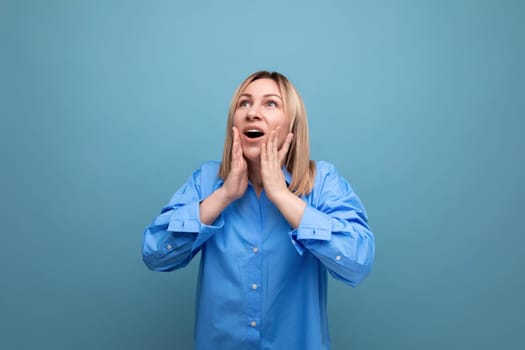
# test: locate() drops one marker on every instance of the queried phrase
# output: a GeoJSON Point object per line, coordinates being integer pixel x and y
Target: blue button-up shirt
{"type": "Point", "coordinates": [263, 284]}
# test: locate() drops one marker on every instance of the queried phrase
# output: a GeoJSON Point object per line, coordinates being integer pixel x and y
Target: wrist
{"type": "Point", "coordinates": [223, 196]}
{"type": "Point", "coordinates": [281, 196]}
{"type": "Point", "coordinates": [291, 206]}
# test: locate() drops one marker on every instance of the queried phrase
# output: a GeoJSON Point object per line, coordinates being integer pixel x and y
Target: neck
{"type": "Point", "coordinates": [254, 174]}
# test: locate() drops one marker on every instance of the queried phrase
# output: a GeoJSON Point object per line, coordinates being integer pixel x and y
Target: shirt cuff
{"type": "Point", "coordinates": [297, 245]}
{"type": "Point", "coordinates": [315, 225]}
{"type": "Point", "coordinates": [187, 219]}
{"type": "Point", "coordinates": [207, 231]}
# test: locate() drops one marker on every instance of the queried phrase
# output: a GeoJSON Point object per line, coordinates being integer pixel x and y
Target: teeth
{"type": "Point", "coordinates": [254, 133]}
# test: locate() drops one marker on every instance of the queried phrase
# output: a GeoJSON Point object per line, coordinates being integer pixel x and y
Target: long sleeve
{"type": "Point", "coordinates": [177, 234]}
{"type": "Point", "coordinates": [335, 229]}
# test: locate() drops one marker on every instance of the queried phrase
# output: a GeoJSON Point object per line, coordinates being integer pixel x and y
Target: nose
{"type": "Point", "coordinates": [253, 113]}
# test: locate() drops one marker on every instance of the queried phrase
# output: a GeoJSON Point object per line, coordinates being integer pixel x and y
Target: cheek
{"type": "Point", "coordinates": [285, 125]}
{"type": "Point", "coordinates": [279, 119]}
{"type": "Point", "coordinates": [282, 136]}
{"type": "Point", "coordinates": [235, 119]}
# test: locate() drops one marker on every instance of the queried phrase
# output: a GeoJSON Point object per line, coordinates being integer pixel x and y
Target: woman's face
{"type": "Point", "coordinates": [259, 111]}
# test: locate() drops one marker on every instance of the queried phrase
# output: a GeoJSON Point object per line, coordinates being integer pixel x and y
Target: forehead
{"type": "Point", "coordinates": [262, 87]}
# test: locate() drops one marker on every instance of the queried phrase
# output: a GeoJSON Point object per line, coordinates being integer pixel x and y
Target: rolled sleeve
{"type": "Point", "coordinates": [334, 228]}
{"type": "Point", "coordinates": [315, 225]}
{"type": "Point", "coordinates": [187, 220]}
{"type": "Point", "coordinates": [207, 231]}
{"type": "Point", "coordinates": [177, 234]}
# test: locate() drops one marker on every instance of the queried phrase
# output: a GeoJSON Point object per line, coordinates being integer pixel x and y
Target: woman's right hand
{"type": "Point", "coordinates": [237, 181]}
{"type": "Point", "coordinates": [233, 187]}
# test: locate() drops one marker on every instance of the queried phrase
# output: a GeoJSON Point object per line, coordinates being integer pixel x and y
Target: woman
{"type": "Point", "coordinates": [269, 224]}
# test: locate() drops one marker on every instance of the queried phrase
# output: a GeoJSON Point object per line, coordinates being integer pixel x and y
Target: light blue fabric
{"type": "Point", "coordinates": [262, 284]}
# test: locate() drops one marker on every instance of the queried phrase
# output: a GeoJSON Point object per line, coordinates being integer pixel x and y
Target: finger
{"type": "Point", "coordinates": [264, 156]}
{"type": "Point", "coordinates": [235, 135]}
{"type": "Point", "coordinates": [276, 139]}
{"type": "Point", "coordinates": [272, 152]}
{"type": "Point", "coordinates": [285, 147]}
{"type": "Point", "coordinates": [238, 141]}
{"type": "Point", "coordinates": [236, 148]}
{"type": "Point", "coordinates": [272, 148]}
{"type": "Point", "coordinates": [235, 144]}
{"type": "Point", "coordinates": [271, 140]}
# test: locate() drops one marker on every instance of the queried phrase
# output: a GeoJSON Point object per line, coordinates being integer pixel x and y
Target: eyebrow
{"type": "Point", "coordinates": [267, 95]}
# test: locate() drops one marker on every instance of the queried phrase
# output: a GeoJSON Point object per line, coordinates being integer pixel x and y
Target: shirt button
{"type": "Point", "coordinates": [168, 246]}
{"type": "Point", "coordinates": [338, 257]}
{"type": "Point", "coordinates": [254, 286]}
{"type": "Point", "coordinates": [253, 324]}
{"type": "Point", "coordinates": [255, 249]}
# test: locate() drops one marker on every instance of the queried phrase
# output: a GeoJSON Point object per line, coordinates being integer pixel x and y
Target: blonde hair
{"type": "Point", "coordinates": [297, 161]}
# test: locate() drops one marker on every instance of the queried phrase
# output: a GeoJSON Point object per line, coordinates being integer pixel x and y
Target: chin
{"type": "Point", "coordinates": [252, 154]}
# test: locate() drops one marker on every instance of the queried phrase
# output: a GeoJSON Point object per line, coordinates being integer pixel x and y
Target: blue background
{"type": "Point", "coordinates": [107, 107]}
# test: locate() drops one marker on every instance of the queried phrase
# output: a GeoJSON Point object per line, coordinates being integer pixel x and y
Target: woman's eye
{"type": "Point", "coordinates": [271, 104]}
{"type": "Point", "coordinates": [244, 103]}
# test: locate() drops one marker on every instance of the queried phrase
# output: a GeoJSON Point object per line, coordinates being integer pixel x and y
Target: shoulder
{"type": "Point", "coordinates": [327, 177]}
{"type": "Point", "coordinates": [324, 169]}
{"type": "Point", "coordinates": [208, 177]}
{"type": "Point", "coordinates": [210, 167]}
{"type": "Point", "coordinates": [208, 171]}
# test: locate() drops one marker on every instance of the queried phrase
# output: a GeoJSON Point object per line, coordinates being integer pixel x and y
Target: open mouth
{"type": "Point", "coordinates": [254, 133]}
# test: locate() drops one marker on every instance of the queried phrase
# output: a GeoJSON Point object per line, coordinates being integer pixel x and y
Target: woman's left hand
{"type": "Point", "coordinates": [272, 160]}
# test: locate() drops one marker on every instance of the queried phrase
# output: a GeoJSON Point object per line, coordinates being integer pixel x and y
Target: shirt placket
{"type": "Point", "coordinates": [253, 287]}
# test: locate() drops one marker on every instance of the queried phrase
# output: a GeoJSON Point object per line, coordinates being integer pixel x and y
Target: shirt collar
{"type": "Point", "coordinates": [287, 178]}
